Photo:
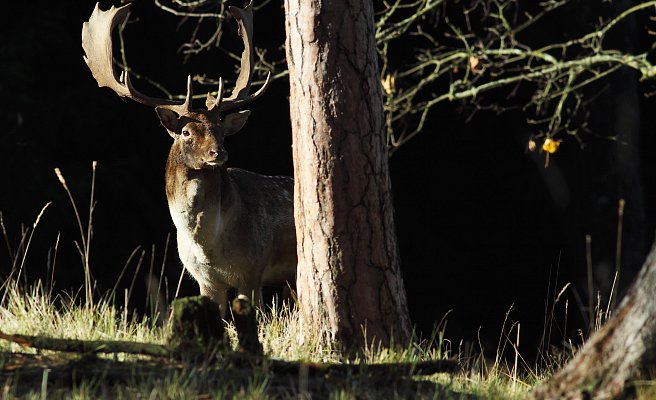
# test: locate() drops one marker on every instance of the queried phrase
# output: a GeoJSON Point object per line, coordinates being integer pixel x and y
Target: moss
{"type": "Point", "coordinates": [196, 325]}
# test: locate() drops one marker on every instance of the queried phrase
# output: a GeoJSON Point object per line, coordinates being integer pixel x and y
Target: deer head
{"type": "Point", "coordinates": [198, 133]}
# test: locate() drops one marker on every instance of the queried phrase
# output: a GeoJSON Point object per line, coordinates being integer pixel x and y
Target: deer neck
{"type": "Point", "coordinates": [199, 199]}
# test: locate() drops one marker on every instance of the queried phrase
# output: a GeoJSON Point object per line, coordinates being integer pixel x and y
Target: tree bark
{"type": "Point", "coordinates": [349, 280]}
{"type": "Point", "coordinates": [618, 352]}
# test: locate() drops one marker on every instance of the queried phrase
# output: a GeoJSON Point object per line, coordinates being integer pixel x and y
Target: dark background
{"type": "Point", "coordinates": [482, 225]}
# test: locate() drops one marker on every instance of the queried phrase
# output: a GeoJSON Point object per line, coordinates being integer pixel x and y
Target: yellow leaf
{"type": "Point", "coordinates": [473, 62]}
{"type": "Point", "coordinates": [531, 145]}
{"type": "Point", "coordinates": [551, 145]}
{"type": "Point", "coordinates": [388, 83]}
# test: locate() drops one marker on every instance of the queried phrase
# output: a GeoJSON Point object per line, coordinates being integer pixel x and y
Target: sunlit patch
{"type": "Point", "coordinates": [389, 84]}
{"type": "Point", "coordinates": [473, 63]}
{"type": "Point", "coordinates": [550, 145]}
{"type": "Point", "coordinates": [531, 145]}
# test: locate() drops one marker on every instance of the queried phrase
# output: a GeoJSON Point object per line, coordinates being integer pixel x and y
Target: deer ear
{"type": "Point", "coordinates": [235, 121]}
{"type": "Point", "coordinates": [168, 118]}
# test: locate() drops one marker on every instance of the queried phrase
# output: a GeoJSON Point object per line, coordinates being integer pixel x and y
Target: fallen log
{"type": "Point", "coordinates": [88, 346]}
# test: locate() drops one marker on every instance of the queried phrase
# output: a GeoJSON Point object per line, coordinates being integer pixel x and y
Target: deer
{"type": "Point", "coordinates": [235, 228]}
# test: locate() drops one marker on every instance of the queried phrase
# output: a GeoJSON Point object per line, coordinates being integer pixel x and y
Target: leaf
{"type": "Point", "coordinates": [551, 145]}
{"type": "Point", "coordinates": [473, 62]}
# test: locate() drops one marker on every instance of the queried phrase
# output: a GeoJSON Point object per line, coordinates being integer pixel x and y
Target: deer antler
{"type": "Point", "coordinates": [97, 45]}
{"type": "Point", "coordinates": [239, 95]}
{"type": "Point", "coordinates": [211, 102]}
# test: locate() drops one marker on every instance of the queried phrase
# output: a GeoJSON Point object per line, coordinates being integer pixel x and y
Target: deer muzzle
{"type": "Point", "coordinates": [216, 158]}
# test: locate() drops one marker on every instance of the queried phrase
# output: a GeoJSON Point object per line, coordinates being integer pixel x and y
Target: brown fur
{"type": "Point", "coordinates": [235, 228]}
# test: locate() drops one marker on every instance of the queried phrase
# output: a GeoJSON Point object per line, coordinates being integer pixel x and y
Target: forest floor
{"type": "Point", "coordinates": [289, 368]}
{"type": "Point", "coordinates": [64, 376]}
{"type": "Point", "coordinates": [35, 309]}
{"type": "Point", "coordinates": [26, 372]}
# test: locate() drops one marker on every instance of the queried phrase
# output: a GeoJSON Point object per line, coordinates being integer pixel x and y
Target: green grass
{"type": "Point", "coordinates": [36, 310]}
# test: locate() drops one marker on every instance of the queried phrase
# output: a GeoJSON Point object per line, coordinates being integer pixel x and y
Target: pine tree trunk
{"type": "Point", "coordinates": [349, 278]}
{"type": "Point", "coordinates": [624, 347]}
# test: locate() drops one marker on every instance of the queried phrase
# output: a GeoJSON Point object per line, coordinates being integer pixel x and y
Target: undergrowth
{"type": "Point", "coordinates": [35, 309]}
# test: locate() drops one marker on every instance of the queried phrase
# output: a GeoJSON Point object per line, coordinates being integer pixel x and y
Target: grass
{"type": "Point", "coordinates": [35, 309]}
{"type": "Point", "coordinates": [31, 374]}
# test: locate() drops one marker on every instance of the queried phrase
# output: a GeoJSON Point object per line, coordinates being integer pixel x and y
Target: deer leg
{"type": "Point", "coordinates": [253, 291]}
{"type": "Point", "coordinates": [218, 294]}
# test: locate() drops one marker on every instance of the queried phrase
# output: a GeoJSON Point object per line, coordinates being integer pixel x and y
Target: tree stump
{"type": "Point", "coordinates": [196, 325]}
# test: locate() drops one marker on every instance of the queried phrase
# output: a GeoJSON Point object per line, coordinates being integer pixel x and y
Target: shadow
{"type": "Point", "coordinates": [25, 374]}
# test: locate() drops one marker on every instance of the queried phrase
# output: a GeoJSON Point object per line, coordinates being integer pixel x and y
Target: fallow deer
{"type": "Point", "coordinates": [235, 229]}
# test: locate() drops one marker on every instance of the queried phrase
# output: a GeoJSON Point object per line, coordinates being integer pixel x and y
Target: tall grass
{"type": "Point", "coordinates": [31, 310]}
{"type": "Point", "coordinates": [85, 234]}
{"type": "Point", "coordinates": [19, 255]}
{"type": "Point", "coordinates": [35, 309]}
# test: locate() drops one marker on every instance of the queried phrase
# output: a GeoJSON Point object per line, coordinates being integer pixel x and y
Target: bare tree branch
{"type": "Point", "coordinates": [474, 64]}
{"type": "Point", "coordinates": [477, 52]}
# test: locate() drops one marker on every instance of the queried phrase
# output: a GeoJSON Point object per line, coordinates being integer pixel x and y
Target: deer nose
{"type": "Point", "coordinates": [218, 155]}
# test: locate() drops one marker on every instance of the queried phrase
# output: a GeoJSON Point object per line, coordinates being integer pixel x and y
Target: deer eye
{"type": "Point", "coordinates": [186, 133]}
